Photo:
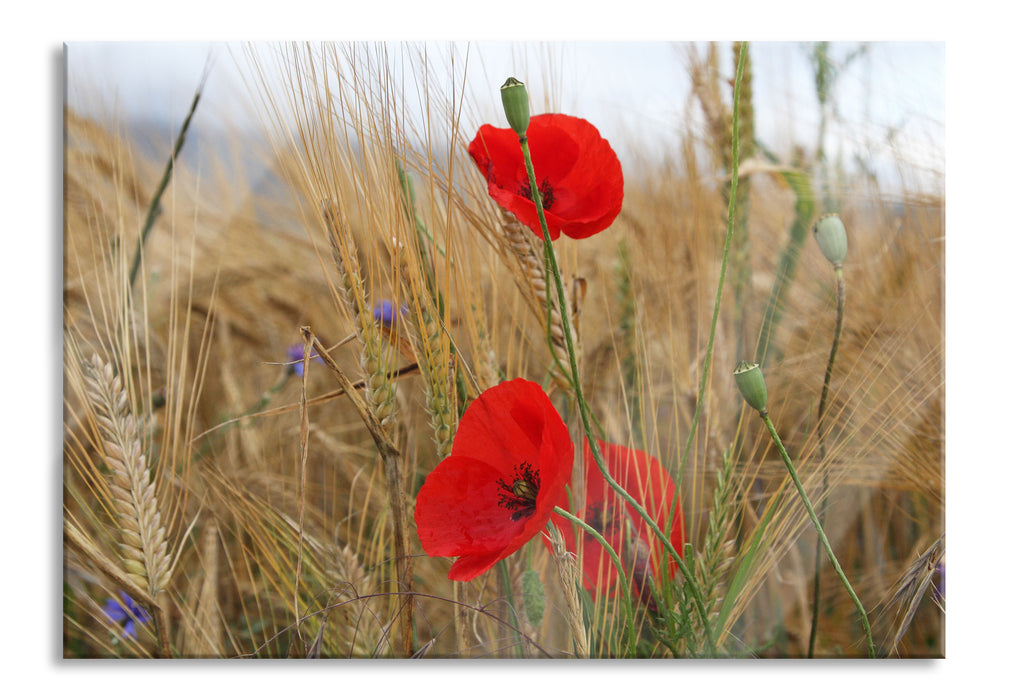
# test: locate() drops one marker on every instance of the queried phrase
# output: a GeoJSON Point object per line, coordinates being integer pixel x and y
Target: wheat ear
{"type": "Point", "coordinates": [349, 577]}
{"type": "Point", "coordinates": [380, 391]}
{"type": "Point", "coordinates": [143, 544]}
{"type": "Point", "coordinates": [911, 588]}
{"type": "Point", "coordinates": [570, 576]}
{"type": "Point", "coordinates": [719, 549]}
{"type": "Point", "coordinates": [440, 386]}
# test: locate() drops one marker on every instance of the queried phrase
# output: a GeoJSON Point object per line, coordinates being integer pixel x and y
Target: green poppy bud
{"type": "Point", "coordinates": [831, 237]}
{"type": "Point", "coordinates": [516, 105]}
{"type": "Point", "coordinates": [750, 381]}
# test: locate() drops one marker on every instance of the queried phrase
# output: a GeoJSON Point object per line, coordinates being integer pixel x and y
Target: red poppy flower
{"type": "Point", "coordinates": [639, 549]}
{"type": "Point", "coordinates": [511, 459]}
{"type": "Point", "coordinates": [578, 174]}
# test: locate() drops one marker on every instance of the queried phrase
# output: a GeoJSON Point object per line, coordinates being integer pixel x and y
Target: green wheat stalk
{"type": "Point", "coordinates": [154, 210]}
{"type": "Point", "coordinates": [741, 273]}
{"type": "Point", "coordinates": [730, 229]}
{"type": "Point", "coordinates": [800, 183]}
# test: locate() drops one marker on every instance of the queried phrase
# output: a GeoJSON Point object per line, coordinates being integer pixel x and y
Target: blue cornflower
{"type": "Point", "coordinates": [131, 614]}
{"type": "Point", "coordinates": [296, 354]}
{"type": "Point", "coordinates": [386, 313]}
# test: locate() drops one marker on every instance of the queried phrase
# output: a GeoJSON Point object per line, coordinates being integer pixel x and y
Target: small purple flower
{"type": "Point", "coordinates": [131, 614]}
{"type": "Point", "coordinates": [296, 353]}
{"type": "Point", "coordinates": [386, 313]}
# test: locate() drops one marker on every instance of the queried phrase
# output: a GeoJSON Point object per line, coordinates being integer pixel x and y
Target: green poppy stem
{"type": "Point", "coordinates": [554, 273]}
{"type": "Point", "coordinates": [819, 531]}
{"type": "Point", "coordinates": [839, 273]}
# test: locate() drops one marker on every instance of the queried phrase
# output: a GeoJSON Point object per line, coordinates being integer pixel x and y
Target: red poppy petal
{"type": "Point", "coordinates": [468, 567]}
{"type": "Point", "coordinates": [457, 510]}
{"type": "Point", "coordinates": [588, 191]}
{"type": "Point", "coordinates": [649, 484]}
{"type": "Point", "coordinates": [555, 145]}
{"type": "Point", "coordinates": [644, 478]}
{"type": "Point", "coordinates": [570, 157]}
{"type": "Point", "coordinates": [509, 429]}
{"type": "Point", "coordinates": [498, 155]}
{"type": "Point", "coordinates": [508, 424]}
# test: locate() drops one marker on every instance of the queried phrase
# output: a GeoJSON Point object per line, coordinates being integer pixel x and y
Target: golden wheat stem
{"type": "Point", "coordinates": [380, 392]}
{"type": "Point", "coordinates": [531, 264]}
{"type": "Point", "coordinates": [614, 558]}
{"type": "Point", "coordinates": [302, 478]}
{"type": "Point", "coordinates": [397, 501]}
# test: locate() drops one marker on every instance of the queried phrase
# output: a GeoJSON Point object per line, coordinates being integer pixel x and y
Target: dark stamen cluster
{"type": "Point", "coordinates": [546, 193]}
{"type": "Point", "coordinates": [599, 517]}
{"type": "Point", "coordinates": [520, 493]}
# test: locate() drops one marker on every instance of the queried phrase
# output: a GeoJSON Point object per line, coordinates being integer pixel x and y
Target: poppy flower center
{"type": "Point", "coordinates": [546, 193]}
{"type": "Point", "coordinates": [600, 518]}
{"type": "Point", "coordinates": [519, 494]}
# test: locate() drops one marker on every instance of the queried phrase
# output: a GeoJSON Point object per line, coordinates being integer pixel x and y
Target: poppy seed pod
{"type": "Point", "coordinates": [831, 237]}
{"type": "Point", "coordinates": [750, 381]}
{"type": "Point", "coordinates": [516, 105]}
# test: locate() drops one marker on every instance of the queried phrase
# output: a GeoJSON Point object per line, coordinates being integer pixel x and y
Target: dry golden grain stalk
{"type": "Point", "coordinates": [359, 628]}
{"type": "Point", "coordinates": [911, 588]}
{"type": "Point", "coordinates": [202, 627]}
{"type": "Point", "coordinates": [520, 240]}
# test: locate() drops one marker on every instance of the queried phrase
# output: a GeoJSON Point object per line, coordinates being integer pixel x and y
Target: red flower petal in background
{"type": "Point", "coordinates": [511, 459]}
{"type": "Point", "coordinates": [650, 485]}
{"type": "Point", "coordinates": [578, 174]}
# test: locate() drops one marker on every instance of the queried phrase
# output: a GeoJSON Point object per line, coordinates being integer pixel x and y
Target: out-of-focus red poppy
{"type": "Point", "coordinates": [578, 174]}
{"type": "Point", "coordinates": [639, 549]}
{"type": "Point", "coordinates": [511, 459]}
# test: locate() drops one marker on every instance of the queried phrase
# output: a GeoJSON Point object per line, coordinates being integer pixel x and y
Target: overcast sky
{"type": "Point", "coordinates": [636, 93]}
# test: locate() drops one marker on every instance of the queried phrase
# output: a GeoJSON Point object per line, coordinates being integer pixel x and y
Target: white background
{"type": "Point", "coordinates": [976, 388]}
